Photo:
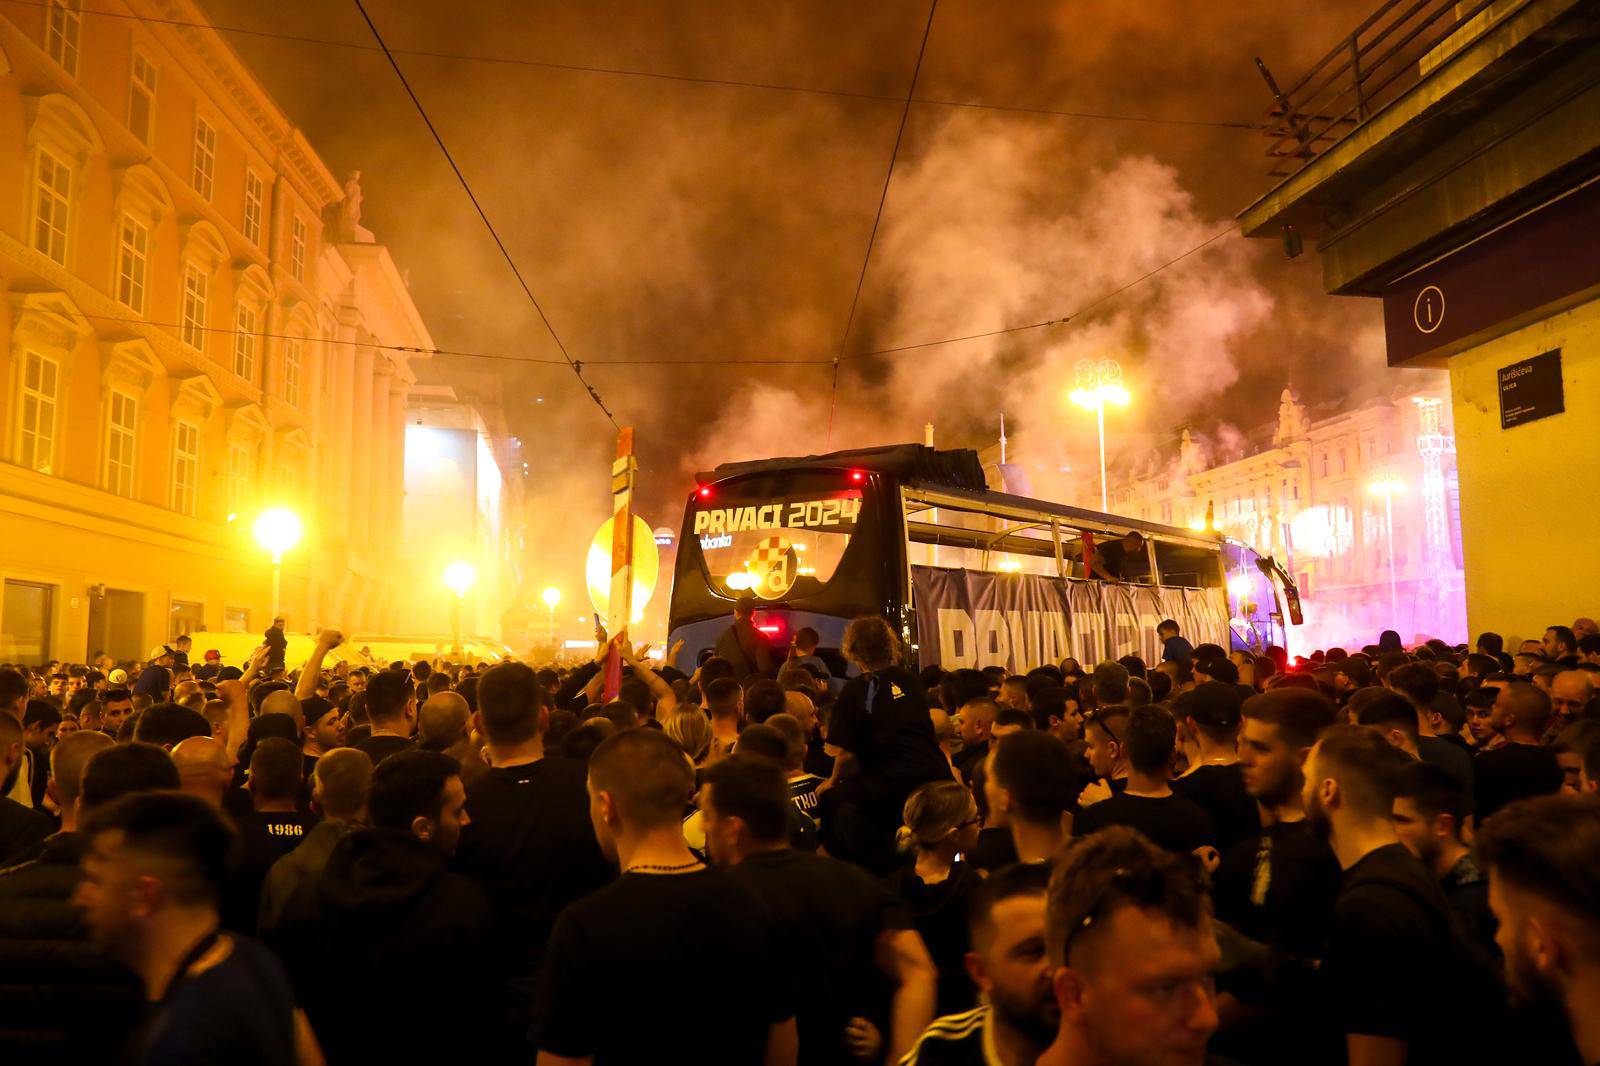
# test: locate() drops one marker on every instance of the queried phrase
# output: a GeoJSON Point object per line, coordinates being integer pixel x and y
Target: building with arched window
{"type": "Point", "coordinates": [193, 327]}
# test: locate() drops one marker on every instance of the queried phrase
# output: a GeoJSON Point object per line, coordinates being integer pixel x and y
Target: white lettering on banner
{"type": "Point", "coordinates": [955, 624]}
{"type": "Point", "coordinates": [1088, 637]}
{"type": "Point", "coordinates": [1149, 648]}
{"type": "Point", "coordinates": [721, 540]}
{"type": "Point", "coordinates": [994, 642]}
{"type": "Point", "coordinates": [967, 619]}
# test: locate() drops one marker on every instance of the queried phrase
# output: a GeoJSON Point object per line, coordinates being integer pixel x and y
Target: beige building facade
{"type": "Point", "coordinates": [1360, 505]}
{"type": "Point", "coordinates": [194, 326]}
{"type": "Point", "coordinates": [1450, 168]}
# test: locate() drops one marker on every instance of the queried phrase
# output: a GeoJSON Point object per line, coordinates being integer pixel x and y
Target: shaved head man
{"type": "Point", "coordinates": [443, 719]}
{"type": "Point", "coordinates": [1570, 694]}
{"type": "Point", "coordinates": [204, 769]}
{"type": "Point", "coordinates": [284, 702]}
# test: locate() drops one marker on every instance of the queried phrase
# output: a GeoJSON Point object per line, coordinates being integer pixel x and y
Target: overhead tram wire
{"type": "Point", "coordinates": [577, 368]}
{"type": "Point", "coordinates": [872, 237]}
{"type": "Point", "coordinates": [1061, 321]}
{"type": "Point", "coordinates": [412, 349]}
{"type": "Point", "coordinates": [624, 72]}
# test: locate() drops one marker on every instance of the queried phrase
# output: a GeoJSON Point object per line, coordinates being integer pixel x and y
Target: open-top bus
{"type": "Point", "coordinates": [968, 576]}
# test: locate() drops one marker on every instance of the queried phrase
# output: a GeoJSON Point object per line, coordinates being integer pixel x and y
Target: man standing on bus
{"type": "Point", "coordinates": [1121, 560]}
{"type": "Point", "coordinates": [743, 645]}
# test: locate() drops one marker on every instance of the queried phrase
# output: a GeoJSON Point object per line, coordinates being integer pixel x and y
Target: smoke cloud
{"type": "Point", "coordinates": [684, 223]}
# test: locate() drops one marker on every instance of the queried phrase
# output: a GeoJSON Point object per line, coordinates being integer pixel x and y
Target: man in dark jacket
{"type": "Point", "coordinates": [62, 998]}
{"type": "Point", "coordinates": [276, 644]}
{"type": "Point", "coordinates": [390, 921]}
{"type": "Point", "coordinates": [743, 645]}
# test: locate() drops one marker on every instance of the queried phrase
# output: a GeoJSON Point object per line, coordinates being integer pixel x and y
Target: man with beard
{"type": "Point", "coordinates": [1009, 965]}
{"type": "Point", "coordinates": [1128, 934]}
{"type": "Point", "coordinates": [1277, 888]}
{"type": "Point", "coordinates": [1543, 858]}
{"type": "Point", "coordinates": [1396, 980]}
{"type": "Point", "coordinates": [1431, 813]}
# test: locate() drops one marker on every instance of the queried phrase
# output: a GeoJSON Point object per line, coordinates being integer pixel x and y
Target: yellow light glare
{"type": "Point", "coordinates": [739, 581]}
{"type": "Point", "coordinates": [1197, 524]}
{"type": "Point", "coordinates": [460, 576]}
{"type": "Point", "coordinates": [278, 530]}
{"type": "Point", "coordinates": [1387, 486]}
{"type": "Point", "coordinates": [551, 597]}
{"type": "Point", "coordinates": [1239, 585]}
{"type": "Point", "coordinates": [1098, 397]}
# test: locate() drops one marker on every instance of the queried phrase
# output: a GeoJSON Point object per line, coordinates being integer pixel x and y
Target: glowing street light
{"type": "Point", "coordinates": [1100, 383]}
{"type": "Point", "coordinates": [459, 576]}
{"type": "Point", "coordinates": [552, 599]}
{"type": "Point", "coordinates": [1388, 486]}
{"type": "Point", "coordinates": [278, 530]}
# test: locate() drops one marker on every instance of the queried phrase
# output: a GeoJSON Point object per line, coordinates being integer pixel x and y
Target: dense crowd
{"type": "Point", "coordinates": [1374, 856]}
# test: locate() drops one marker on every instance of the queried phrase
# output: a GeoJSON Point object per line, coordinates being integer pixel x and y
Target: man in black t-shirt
{"type": "Point", "coordinates": [1396, 980]}
{"type": "Point", "coordinates": [1430, 814]}
{"type": "Point", "coordinates": [392, 709]}
{"type": "Point", "coordinates": [1148, 804]}
{"type": "Point", "coordinates": [689, 951]}
{"type": "Point", "coordinates": [841, 933]}
{"type": "Point", "coordinates": [1418, 685]}
{"type": "Point", "coordinates": [1208, 716]}
{"type": "Point", "coordinates": [152, 878]}
{"type": "Point", "coordinates": [275, 790]}
{"type": "Point", "coordinates": [975, 720]}
{"type": "Point", "coordinates": [529, 843]}
{"type": "Point", "coordinates": [1279, 888]}
{"type": "Point", "coordinates": [1522, 766]}
{"type": "Point", "coordinates": [1029, 781]}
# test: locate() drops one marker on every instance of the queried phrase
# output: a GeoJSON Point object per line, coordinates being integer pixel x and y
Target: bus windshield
{"type": "Point", "coordinates": [774, 536]}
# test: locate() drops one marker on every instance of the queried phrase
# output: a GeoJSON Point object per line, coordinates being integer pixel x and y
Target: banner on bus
{"type": "Point", "coordinates": [968, 618]}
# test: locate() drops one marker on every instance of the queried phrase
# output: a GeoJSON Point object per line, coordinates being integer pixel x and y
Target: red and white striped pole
{"type": "Point", "coordinates": [620, 605]}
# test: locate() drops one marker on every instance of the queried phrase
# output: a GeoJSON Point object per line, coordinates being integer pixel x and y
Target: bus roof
{"type": "Point", "coordinates": [956, 472]}
{"type": "Point", "coordinates": [1076, 515]}
{"type": "Point", "coordinates": [957, 468]}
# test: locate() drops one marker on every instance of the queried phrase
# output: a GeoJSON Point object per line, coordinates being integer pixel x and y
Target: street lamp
{"type": "Point", "coordinates": [552, 598]}
{"type": "Point", "coordinates": [1100, 383]}
{"type": "Point", "coordinates": [459, 576]}
{"type": "Point", "coordinates": [278, 530]}
{"type": "Point", "coordinates": [1388, 486]}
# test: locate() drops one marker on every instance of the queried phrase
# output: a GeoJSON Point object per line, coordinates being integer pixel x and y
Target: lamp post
{"type": "Point", "coordinates": [459, 576]}
{"type": "Point", "coordinates": [1100, 383]}
{"type": "Point", "coordinates": [278, 530]}
{"type": "Point", "coordinates": [1388, 486]}
{"type": "Point", "coordinates": [552, 598]}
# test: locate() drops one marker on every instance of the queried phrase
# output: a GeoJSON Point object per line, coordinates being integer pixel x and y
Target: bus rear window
{"type": "Point", "coordinates": [774, 547]}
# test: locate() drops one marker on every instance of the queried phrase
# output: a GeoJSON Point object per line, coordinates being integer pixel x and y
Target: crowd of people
{"type": "Point", "coordinates": [1377, 856]}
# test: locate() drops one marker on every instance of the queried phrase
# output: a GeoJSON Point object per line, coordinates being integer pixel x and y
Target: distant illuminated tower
{"type": "Point", "coordinates": [1432, 445]}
